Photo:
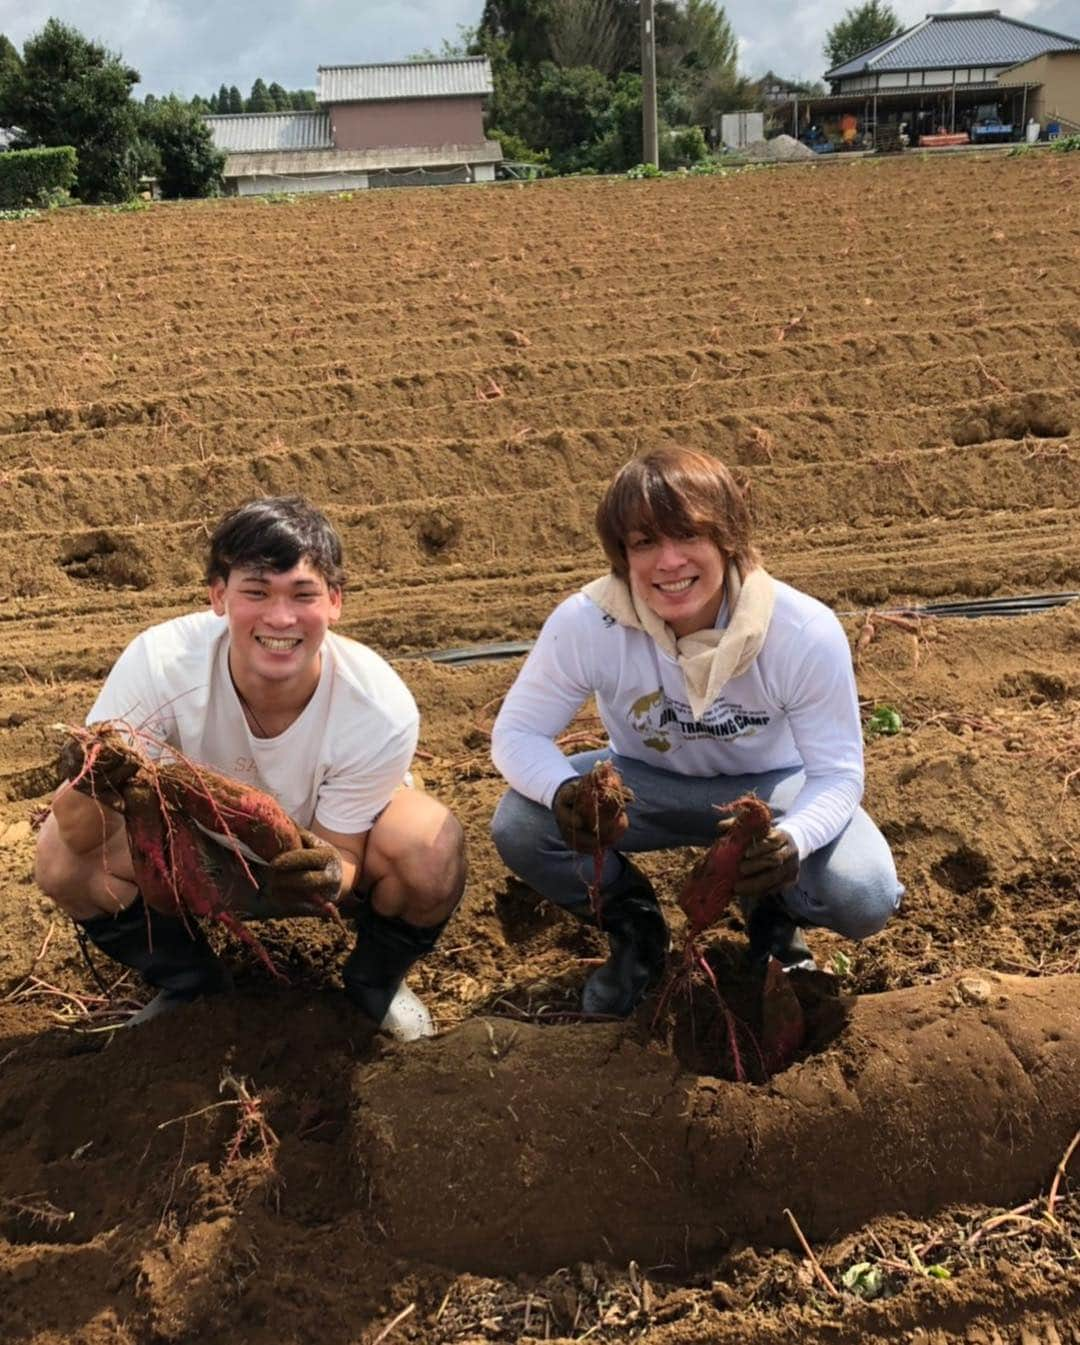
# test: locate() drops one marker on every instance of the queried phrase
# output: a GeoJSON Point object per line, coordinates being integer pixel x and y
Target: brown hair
{"type": "Point", "coordinates": [675, 492]}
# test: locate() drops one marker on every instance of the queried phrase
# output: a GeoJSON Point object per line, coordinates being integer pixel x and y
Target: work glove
{"type": "Point", "coordinates": [309, 876]}
{"type": "Point", "coordinates": [583, 825]}
{"type": "Point", "coordinates": [767, 865]}
{"type": "Point", "coordinates": [104, 782]}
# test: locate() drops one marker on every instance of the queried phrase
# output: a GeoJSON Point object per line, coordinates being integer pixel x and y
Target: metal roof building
{"type": "Point", "coordinates": [412, 123]}
{"type": "Point", "coordinates": [981, 41]}
{"type": "Point", "coordinates": [469, 77]}
{"type": "Point", "coordinates": [941, 79]}
{"type": "Point", "coordinates": [253, 132]}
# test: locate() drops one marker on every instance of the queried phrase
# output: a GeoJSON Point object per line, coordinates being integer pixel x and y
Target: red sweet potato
{"type": "Point", "coordinates": [710, 885]}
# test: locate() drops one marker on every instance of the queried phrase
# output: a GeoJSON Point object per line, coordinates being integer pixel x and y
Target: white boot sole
{"type": "Point", "coordinates": [407, 1019]}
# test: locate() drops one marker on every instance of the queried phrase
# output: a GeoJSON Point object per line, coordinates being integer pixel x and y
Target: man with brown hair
{"type": "Point", "coordinates": [712, 679]}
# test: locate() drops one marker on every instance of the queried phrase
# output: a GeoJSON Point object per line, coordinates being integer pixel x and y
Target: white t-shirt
{"type": "Point", "coordinates": [338, 763]}
{"type": "Point", "coordinates": [796, 705]}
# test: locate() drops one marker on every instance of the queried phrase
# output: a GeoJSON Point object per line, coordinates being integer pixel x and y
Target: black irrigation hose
{"type": "Point", "coordinates": [1024, 605]}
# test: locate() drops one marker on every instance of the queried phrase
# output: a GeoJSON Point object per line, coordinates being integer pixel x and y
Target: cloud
{"type": "Point", "coordinates": [192, 46]}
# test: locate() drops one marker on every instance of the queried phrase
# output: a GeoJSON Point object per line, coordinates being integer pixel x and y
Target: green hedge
{"type": "Point", "coordinates": [31, 176]}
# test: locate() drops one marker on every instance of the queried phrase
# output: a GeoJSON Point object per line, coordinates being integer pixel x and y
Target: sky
{"type": "Point", "coordinates": [193, 46]}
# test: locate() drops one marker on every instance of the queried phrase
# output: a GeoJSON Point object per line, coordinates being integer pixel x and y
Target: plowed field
{"type": "Point", "coordinates": [890, 353]}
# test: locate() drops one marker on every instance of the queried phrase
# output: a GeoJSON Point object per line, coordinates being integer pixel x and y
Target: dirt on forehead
{"type": "Point", "coordinates": [889, 352]}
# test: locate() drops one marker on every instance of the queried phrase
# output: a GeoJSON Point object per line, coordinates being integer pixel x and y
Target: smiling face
{"type": "Point", "coordinates": [680, 578]}
{"type": "Point", "coordinates": [277, 624]}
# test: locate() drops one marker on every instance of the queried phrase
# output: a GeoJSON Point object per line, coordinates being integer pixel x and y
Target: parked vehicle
{"type": "Point", "coordinates": [988, 128]}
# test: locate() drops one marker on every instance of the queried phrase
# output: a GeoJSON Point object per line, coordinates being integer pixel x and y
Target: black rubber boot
{"type": "Point", "coordinates": [386, 947]}
{"type": "Point", "coordinates": [167, 953]}
{"type": "Point", "coordinates": [772, 932]}
{"type": "Point", "coordinates": [637, 936]}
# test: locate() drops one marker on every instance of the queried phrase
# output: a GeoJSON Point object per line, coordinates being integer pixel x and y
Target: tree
{"type": "Point", "coordinates": [260, 100]}
{"type": "Point", "coordinates": [524, 25]}
{"type": "Point", "coordinates": [725, 91]}
{"type": "Point", "coordinates": [10, 60]}
{"type": "Point", "coordinates": [450, 49]}
{"type": "Point", "coordinates": [590, 32]}
{"type": "Point", "coordinates": [236, 102]}
{"type": "Point", "coordinates": [187, 162]}
{"type": "Point", "coordinates": [861, 28]}
{"type": "Point", "coordinates": [70, 91]}
{"type": "Point", "coordinates": [302, 100]}
{"type": "Point", "coordinates": [223, 103]}
{"type": "Point", "coordinates": [279, 97]}
{"type": "Point", "coordinates": [570, 108]}
{"type": "Point", "coordinates": [694, 37]}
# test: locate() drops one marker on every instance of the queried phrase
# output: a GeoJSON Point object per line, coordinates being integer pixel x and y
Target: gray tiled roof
{"type": "Point", "coordinates": [249, 132]}
{"type": "Point", "coordinates": [470, 76]}
{"type": "Point", "coordinates": [945, 40]}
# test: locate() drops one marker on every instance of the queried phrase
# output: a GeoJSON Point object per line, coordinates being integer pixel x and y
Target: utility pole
{"type": "Point", "coordinates": [650, 147]}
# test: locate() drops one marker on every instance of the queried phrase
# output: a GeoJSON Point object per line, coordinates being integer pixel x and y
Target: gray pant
{"type": "Point", "coordinates": [849, 885]}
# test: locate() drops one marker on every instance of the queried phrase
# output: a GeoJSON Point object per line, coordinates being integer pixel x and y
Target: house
{"type": "Point", "coordinates": [947, 74]}
{"type": "Point", "coordinates": [1053, 79]}
{"type": "Point", "coordinates": [944, 73]}
{"type": "Point", "coordinates": [408, 123]}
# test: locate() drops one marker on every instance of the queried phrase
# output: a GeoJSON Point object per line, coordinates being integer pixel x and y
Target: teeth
{"type": "Point", "coordinates": [281, 645]}
{"type": "Point", "coordinates": [679, 587]}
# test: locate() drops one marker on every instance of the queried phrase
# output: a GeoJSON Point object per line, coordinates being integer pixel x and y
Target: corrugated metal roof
{"type": "Point", "coordinates": [945, 40]}
{"type": "Point", "coordinates": [468, 77]}
{"type": "Point", "coordinates": [249, 132]}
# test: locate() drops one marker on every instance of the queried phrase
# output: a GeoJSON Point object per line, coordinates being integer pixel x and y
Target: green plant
{"type": "Point", "coordinates": [27, 213]}
{"type": "Point", "coordinates": [684, 147]}
{"type": "Point", "coordinates": [864, 1280]}
{"type": "Point", "coordinates": [279, 198]}
{"type": "Point", "coordinates": [884, 722]}
{"type": "Point", "coordinates": [180, 150]}
{"type": "Point", "coordinates": [1066, 143]}
{"type": "Point", "coordinates": [127, 207]}
{"type": "Point", "coordinates": [35, 177]}
{"type": "Point", "coordinates": [517, 150]}
{"type": "Point", "coordinates": [643, 170]}
{"type": "Point", "coordinates": [839, 965]}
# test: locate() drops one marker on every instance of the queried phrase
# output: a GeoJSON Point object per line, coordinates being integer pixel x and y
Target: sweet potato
{"type": "Point", "coordinates": [710, 886]}
{"type": "Point", "coordinates": [179, 869]}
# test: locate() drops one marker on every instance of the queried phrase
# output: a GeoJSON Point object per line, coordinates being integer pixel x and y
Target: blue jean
{"type": "Point", "coordinates": [849, 885]}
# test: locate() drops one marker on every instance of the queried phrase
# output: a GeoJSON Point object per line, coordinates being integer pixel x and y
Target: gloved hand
{"type": "Point", "coordinates": [310, 876]}
{"type": "Point", "coordinates": [767, 865]}
{"type": "Point", "coordinates": [104, 781]}
{"type": "Point", "coordinates": [584, 826]}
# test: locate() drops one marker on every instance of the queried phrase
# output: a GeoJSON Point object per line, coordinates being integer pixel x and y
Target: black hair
{"type": "Point", "coordinates": [276, 533]}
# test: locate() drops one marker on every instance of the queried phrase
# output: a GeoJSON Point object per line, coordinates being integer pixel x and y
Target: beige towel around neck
{"type": "Point", "coordinates": [708, 658]}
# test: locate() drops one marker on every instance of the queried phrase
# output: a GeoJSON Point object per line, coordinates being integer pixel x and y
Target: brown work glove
{"type": "Point", "coordinates": [767, 865]}
{"type": "Point", "coordinates": [582, 825]}
{"type": "Point", "coordinates": [310, 876]}
{"type": "Point", "coordinates": [104, 782]}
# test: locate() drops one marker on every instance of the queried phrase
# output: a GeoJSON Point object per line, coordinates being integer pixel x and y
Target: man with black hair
{"type": "Point", "coordinates": [260, 689]}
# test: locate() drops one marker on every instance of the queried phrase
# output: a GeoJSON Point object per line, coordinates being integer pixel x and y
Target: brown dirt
{"type": "Point", "coordinates": [890, 353]}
